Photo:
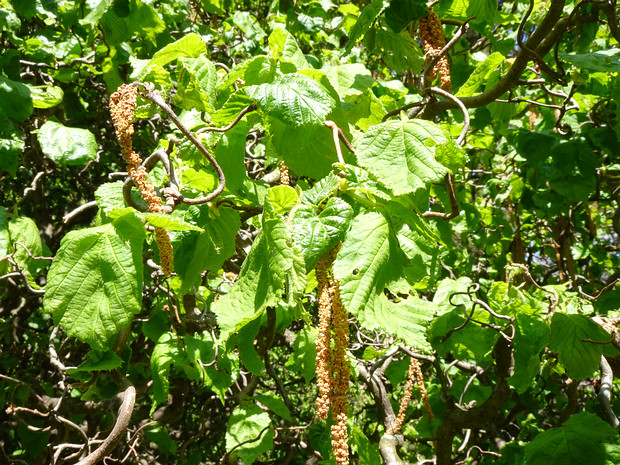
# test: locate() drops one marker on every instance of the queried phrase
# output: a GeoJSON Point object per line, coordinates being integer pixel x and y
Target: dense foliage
{"type": "Point", "coordinates": [216, 212]}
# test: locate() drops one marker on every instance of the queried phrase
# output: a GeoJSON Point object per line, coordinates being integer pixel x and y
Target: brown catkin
{"type": "Point", "coordinates": [332, 367]}
{"type": "Point", "coordinates": [323, 350]}
{"type": "Point", "coordinates": [340, 379]}
{"type": "Point", "coordinates": [433, 40]}
{"type": "Point", "coordinates": [285, 178]}
{"type": "Point", "coordinates": [122, 107]}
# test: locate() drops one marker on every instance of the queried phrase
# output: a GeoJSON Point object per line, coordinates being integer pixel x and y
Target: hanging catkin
{"type": "Point", "coordinates": [433, 41]}
{"type": "Point", "coordinates": [332, 367]}
{"type": "Point", "coordinates": [122, 106]}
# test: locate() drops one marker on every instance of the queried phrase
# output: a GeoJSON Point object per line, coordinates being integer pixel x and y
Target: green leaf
{"type": "Point", "coordinates": [166, 352]}
{"type": "Point", "coordinates": [306, 150]}
{"type": "Point", "coordinates": [569, 338]}
{"type": "Point", "coordinates": [247, 352]}
{"type": "Point", "coordinates": [99, 361]}
{"type": "Point", "coordinates": [582, 439]}
{"type": "Point", "coordinates": [161, 220]}
{"type": "Point", "coordinates": [250, 294]}
{"type": "Point", "coordinates": [367, 452]}
{"type": "Point", "coordinates": [283, 46]}
{"type": "Point", "coordinates": [95, 282]}
{"type": "Point", "coordinates": [607, 61]}
{"type": "Point", "coordinates": [96, 13]}
{"type": "Point", "coordinates": [286, 262]}
{"type": "Point", "coordinates": [322, 189]}
{"type": "Point", "coordinates": [46, 97]}
{"type": "Point", "coordinates": [401, 155]}
{"type": "Point", "coordinates": [281, 199]}
{"type": "Point", "coordinates": [200, 352]}
{"type": "Point", "coordinates": [364, 251]}
{"type": "Point", "coordinates": [349, 79]}
{"type": "Point", "coordinates": [303, 358]}
{"type": "Point", "coordinates": [197, 79]}
{"type": "Point", "coordinates": [25, 231]}
{"type": "Point", "coordinates": [367, 17]}
{"type": "Point", "coordinates": [15, 99]}
{"type": "Point", "coordinates": [316, 234]}
{"type": "Point", "coordinates": [67, 146]}
{"type": "Point", "coordinates": [367, 111]}
{"type": "Point", "coordinates": [208, 250]}
{"type": "Point", "coordinates": [4, 234]}
{"type": "Point", "coordinates": [275, 404]}
{"type": "Point", "coordinates": [400, 51]}
{"type": "Point", "coordinates": [480, 75]}
{"type": "Point", "coordinates": [531, 337]}
{"type": "Point", "coordinates": [190, 45]}
{"type": "Point", "coordinates": [10, 150]}
{"type": "Point", "coordinates": [295, 99]}
{"type": "Point", "coordinates": [401, 12]}
{"type": "Point", "coordinates": [248, 432]}
{"type": "Point", "coordinates": [407, 320]}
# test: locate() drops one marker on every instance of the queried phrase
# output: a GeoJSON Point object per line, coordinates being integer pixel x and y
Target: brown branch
{"type": "Point", "coordinates": [234, 122]}
{"type": "Point", "coordinates": [128, 396]}
{"type": "Point", "coordinates": [541, 41]}
{"type": "Point", "coordinates": [454, 206]}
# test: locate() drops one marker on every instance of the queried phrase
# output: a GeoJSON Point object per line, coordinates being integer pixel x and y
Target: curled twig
{"type": "Point", "coordinates": [234, 122]}
{"type": "Point", "coordinates": [154, 96]}
{"type": "Point", "coordinates": [466, 120]}
{"type": "Point", "coordinates": [604, 395]}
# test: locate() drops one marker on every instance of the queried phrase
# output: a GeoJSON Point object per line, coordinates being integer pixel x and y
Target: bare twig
{"type": "Point", "coordinates": [466, 120]}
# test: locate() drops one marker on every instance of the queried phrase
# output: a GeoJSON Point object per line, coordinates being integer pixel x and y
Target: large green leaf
{"type": "Point", "coordinates": [407, 320]}
{"type": "Point", "coordinates": [286, 261]}
{"type": "Point", "coordinates": [401, 154]}
{"type": "Point", "coordinates": [167, 351]}
{"type": "Point", "coordinates": [349, 79]}
{"type": "Point", "coordinates": [250, 294]}
{"type": "Point", "coordinates": [67, 146]}
{"type": "Point", "coordinates": [364, 251]}
{"type": "Point", "coordinates": [582, 439]}
{"type": "Point", "coordinates": [95, 282]}
{"type": "Point", "coordinates": [316, 234]}
{"type": "Point", "coordinates": [570, 338]}
{"type": "Point", "coordinates": [248, 432]}
{"type": "Point", "coordinates": [295, 99]}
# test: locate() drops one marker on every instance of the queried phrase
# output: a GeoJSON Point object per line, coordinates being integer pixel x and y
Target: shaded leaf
{"type": "Point", "coordinates": [67, 146]}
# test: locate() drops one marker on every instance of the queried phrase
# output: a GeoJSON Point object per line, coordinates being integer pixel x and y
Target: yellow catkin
{"type": "Point", "coordinates": [122, 107]}
{"type": "Point", "coordinates": [404, 402]}
{"type": "Point", "coordinates": [340, 379]}
{"type": "Point", "coordinates": [423, 393]}
{"type": "Point", "coordinates": [433, 40]}
{"type": "Point", "coordinates": [332, 367]}
{"type": "Point", "coordinates": [323, 350]}
{"type": "Point", "coordinates": [285, 178]}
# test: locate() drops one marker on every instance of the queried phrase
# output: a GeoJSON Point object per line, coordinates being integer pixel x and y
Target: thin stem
{"type": "Point", "coordinates": [155, 97]}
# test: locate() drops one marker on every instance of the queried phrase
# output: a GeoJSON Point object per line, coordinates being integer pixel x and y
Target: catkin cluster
{"type": "Point", "coordinates": [433, 40]}
{"type": "Point", "coordinates": [414, 373]}
{"type": "Point", "coordinates": [332, 367]}
{"type": "Point", "coordinates": [122, 106]}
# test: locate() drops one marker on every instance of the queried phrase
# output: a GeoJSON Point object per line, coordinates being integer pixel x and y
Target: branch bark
{"type": "Point", "coordinates": [128, 397]}
{"type": "Point", "coordinates": [541, 41]}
